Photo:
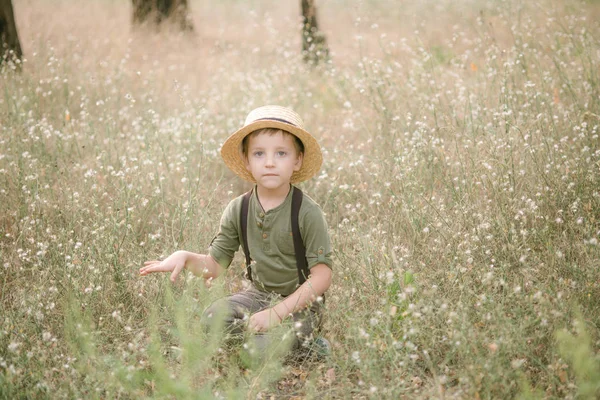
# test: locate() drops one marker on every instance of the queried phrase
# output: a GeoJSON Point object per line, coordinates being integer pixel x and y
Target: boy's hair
{"type": "Point", "coordinates": [272, 131]}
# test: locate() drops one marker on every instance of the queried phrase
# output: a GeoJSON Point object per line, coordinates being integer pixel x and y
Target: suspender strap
{"type": "Point", "coordinates": [244, 223]}
{"type": "Point", "coordinates": [299, 249]}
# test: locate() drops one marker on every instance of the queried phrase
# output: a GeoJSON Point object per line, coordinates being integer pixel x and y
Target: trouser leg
{"type": "Point", "coordinates": [234, 310]}
{"type": "Point", "coordinates": [306, 324]}
{"type": "Point", "coordinates": [303, 327]}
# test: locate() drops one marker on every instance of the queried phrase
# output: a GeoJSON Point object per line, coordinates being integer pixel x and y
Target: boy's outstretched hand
{"type": "Point", "coordinates": [174, 264]}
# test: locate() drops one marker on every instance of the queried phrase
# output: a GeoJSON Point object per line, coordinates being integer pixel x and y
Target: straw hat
{"type": "Point", "coordinates": [273, 117]}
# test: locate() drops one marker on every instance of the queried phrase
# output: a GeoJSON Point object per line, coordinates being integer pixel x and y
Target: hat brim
{"type": "Point", "coordinates": [231, 152]}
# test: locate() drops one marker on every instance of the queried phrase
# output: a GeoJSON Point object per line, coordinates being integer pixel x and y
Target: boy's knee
{"type": "Point", "coordinates": [221, 315]}
{"type": "Point", "coordinates": [215, 309]}
{"type": "Point", "coordinates": [215, 314]}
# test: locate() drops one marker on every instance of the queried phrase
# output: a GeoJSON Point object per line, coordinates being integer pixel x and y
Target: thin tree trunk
{"type": "Point", "coordinates": [10, 47]}
{"type": "Point", "coordinates": [314, 43]}
{"type": "Point", "coordinates": [155, 12]}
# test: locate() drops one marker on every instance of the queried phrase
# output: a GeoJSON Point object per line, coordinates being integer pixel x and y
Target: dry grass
{"type": "Point", "coordinates": [460, 183]}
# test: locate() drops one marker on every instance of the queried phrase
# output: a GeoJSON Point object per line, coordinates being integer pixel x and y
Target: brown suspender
{"type": "Point", "coordinates": [299, 249]}
{"type": "Point", "coordinates": [244, 222]}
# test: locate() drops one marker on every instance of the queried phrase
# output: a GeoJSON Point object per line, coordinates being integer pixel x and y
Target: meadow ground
{"type": "Point", "coordinates": [461, 185]}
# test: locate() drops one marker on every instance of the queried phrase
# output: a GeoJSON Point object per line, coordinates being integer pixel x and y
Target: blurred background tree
{"type": "Point", "coordinates": [314, 43]}
{"type": "Point", "coordinates": [155, 12]}
{"type": "Point", "coordinates": [176, 12]}
{"type": "Point", "coordinates": [10, 47]}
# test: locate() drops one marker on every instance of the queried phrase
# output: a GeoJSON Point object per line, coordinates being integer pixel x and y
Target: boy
{"type": "Point", "coordinates": [273, 151]}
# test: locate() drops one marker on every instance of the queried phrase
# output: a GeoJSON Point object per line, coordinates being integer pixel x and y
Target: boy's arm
{"type": "Point", "coordinates": [317, 284]}
{"type": "Point", "coordinates": [199, 264]}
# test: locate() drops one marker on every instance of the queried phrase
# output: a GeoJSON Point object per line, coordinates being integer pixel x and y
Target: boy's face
{"type": "Point", "coordinates": [272, 159]}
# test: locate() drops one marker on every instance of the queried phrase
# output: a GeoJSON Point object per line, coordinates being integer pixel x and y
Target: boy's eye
{"type": "Point", "coordinates": [281, 153]}
{"type": "Point", "coordinates": [258, 153]}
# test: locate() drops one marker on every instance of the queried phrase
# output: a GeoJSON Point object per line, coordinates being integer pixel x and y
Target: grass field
{"type": "Point", "coordinates": [461, 185]}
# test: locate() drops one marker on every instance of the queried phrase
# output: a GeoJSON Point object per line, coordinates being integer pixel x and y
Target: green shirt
{"type": "Point", "coordinates": [271, 243]}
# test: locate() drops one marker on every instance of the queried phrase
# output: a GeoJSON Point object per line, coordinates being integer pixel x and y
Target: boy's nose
{"type": "Point", "coordinates": [270, 160]}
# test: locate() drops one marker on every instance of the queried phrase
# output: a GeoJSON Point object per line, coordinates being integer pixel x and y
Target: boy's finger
{"type": "Point", "coordinates": [254, 325]}
{"type": "Point", "coordinates": [151, 262]}
{"type": "Point", "coordinates": [147, 270]}
{"type": "Point", "coordinates": [176, 272]}
{"type": "Point", "coordinates": [154, 268]}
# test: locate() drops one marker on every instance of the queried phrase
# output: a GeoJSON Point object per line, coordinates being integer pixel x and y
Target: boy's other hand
{"type": "Point", "coordinates": [263, 320]}
{"type": "Point", "coordinates": [174, 264]}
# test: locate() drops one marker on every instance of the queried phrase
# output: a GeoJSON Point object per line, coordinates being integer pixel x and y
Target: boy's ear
{"type": "Point", "coordinates": [247, 163]}
{"type": "Point", "coordinates": [299, 160]}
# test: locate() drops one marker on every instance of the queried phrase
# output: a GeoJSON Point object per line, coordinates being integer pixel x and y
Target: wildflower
{"type": "Point", "coordinates": [592, 242]}
{"type": "Point", "coordinates": [116, 315]}
{"type": "Point", "coordinates": [559, 254]}
{"type": "Point", "coordinates": [13, 347]}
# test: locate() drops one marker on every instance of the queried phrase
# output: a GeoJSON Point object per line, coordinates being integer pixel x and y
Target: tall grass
{"type": "Point", "coordinates": [460, 184]}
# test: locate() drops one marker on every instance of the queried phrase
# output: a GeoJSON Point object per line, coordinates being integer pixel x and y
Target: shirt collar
{"type": "Point", "coordinates": [259, 208]}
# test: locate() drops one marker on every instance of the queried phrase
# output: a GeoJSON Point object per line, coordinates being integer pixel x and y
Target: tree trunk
{"type": "Point", "coordinates": [155, 12]}
{"type": "Point", "coordinates": [314, 43]}
{"type": "Point", "coordinates": [10, 47]}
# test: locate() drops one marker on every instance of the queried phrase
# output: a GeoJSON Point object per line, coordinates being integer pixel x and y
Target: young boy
{"type": "Point", "coordinates": [273, 151]}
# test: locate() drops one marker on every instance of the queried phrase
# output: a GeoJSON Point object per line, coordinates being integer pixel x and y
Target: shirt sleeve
{"type": "Point", "coordinates": [316, 238]}
{"type": "Point", "coordinates": [227, 242]}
